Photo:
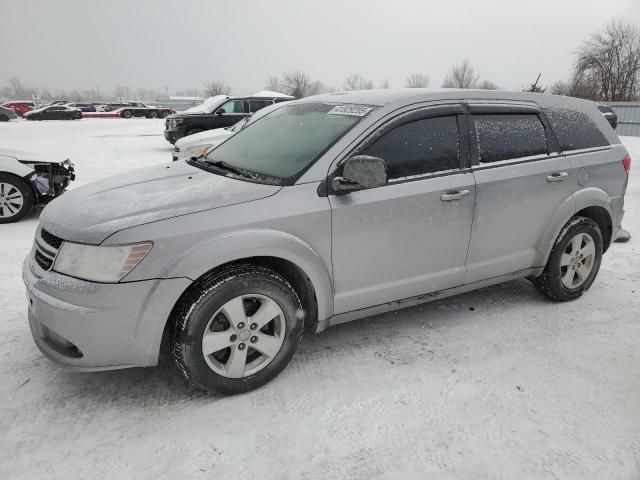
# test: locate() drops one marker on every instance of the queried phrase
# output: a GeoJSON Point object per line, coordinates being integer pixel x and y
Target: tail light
{"type": "Point", "coordinates": [626, 163]}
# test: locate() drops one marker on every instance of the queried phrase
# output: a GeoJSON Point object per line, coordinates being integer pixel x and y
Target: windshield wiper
{"type": "Point", "coordinates": [222, 165]}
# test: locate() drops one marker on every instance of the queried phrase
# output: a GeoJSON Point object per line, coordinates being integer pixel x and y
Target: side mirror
{"type": "Point", "coordinates": [361, 171]}
{"type": "Point", "coordinates": [220, 111]}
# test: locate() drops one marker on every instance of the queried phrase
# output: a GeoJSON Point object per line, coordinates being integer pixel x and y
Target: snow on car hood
{"type": "Point", "coordinates": [91, 213]}
{"type": "Point", "coordinates": [204, 138]}
{"type": "Point", "coordinates": [25, 156]}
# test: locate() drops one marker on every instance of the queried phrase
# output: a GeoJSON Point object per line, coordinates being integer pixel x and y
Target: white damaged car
{"type": "Point", "coordinates": [28, 180]}
{"type": "Point", "coordinates": [200, 144]}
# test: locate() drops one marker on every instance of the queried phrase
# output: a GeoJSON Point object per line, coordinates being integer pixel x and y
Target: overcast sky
{"type": "Point", "coordinates": [76, 44]}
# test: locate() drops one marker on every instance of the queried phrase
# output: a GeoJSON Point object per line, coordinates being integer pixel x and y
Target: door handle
{"type": "Point", "coordinates": [455, 195]}
{"type": "Point", "coordinates": [557, 177]}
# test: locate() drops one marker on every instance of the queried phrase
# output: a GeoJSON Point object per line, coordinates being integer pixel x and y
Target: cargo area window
{"type": "Point", "coordinates": [508, 136]}
{"type": "Point", "coordinates": [574, 130]}
{"type": "Point", "coordinates": [423, 146]}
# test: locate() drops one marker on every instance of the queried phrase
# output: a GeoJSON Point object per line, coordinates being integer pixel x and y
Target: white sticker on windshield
{"type": "Point", "coordinates": [355, 110]}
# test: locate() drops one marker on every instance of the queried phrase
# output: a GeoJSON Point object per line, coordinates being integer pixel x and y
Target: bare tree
{"type": "Point", "coordinates": [417, 80]}
{"type": "Point", "coordinates": [297, 84]}
{"type": "Point", "coordinates": [273, 84]}
{"type": "Point", "coordinates": [487, 85]}
{"type": "Point", "coordinates": [385, 84]}
{"type": "Point", "coordinates": [357, 82]}
{"type": "Point", "coordinates": [559, 88]}
{"type": "Point", "coordinates": [461, 76]}
{"type": "Point", "coordinates": [216, 87]}
{"type": "Point", "coordinates": [611, 61]}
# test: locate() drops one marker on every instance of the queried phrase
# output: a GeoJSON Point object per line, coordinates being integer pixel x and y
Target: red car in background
{"type": "Point", "coordinates": [19, 107]}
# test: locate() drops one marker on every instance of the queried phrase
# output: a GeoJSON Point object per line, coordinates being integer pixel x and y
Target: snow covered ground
{"type": "Point", "coordinates": [498, 383]}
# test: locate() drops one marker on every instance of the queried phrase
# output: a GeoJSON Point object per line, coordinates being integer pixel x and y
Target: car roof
{"type": "Point", "coordinates": [399, 97]}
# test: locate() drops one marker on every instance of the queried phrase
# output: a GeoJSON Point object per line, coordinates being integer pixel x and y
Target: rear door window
{"type": "Point", "coordinates": [574, 130]}
{"type": "Point", "coordinates": [509, 136]}
{"type": "Point", "coordinates": [423, 146]}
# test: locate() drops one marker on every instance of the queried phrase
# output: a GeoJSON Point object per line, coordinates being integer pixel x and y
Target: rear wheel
{"type": "Point", "coordinates": [574, 261]}
{"type": "Point", "coordinates": [153, 114]}
{"type": "Point", "coordinates": [16, 198]}
{"type": "Point", "coordinates": [238, 330]}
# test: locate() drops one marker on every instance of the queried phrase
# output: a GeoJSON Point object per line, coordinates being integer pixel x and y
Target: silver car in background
{"type": "Point", "coordinates": [329, 209]}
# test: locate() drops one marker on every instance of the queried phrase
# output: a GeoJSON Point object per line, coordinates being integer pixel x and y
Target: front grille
{"type": "Point", "coordinates": [44, 262]}
{"type": "Point", "coordinates": [46, 248]}
{"type": "Point", "coordinates": [50, 239]}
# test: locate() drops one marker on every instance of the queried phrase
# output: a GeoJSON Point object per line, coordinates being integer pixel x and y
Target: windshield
{"type": "Point", "coordinates": [287, 141]}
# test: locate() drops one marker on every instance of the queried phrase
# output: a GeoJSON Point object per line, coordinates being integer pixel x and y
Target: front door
{"type": "Point", "coordinates": [411, 236]}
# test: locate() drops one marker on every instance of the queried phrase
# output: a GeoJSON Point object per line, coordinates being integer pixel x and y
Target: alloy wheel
{"type": "Point", "coordinates": [243, 336]}
{"type": "Point", "coordinates": [11, 200]}
{"type": "Point", "coordinates": [577, 260]}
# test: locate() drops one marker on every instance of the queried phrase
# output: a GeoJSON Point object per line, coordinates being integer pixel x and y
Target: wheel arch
{"type": "Point", "coordinates": [292, 258]}
{"type": "Point", "coordinates": [593, 203]}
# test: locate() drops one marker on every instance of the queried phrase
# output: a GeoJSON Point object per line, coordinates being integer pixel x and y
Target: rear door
{"type": "Point", "coordinates": [411, 236]}
{"type": "Point", "coordinates": [521, 178]}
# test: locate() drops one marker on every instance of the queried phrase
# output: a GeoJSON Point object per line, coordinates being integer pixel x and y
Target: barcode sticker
{"type": "Point", "coordinates": [355, 110]}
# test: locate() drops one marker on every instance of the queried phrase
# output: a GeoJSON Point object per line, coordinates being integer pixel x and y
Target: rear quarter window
{"type": "Point", "coordinates": [574, 130]}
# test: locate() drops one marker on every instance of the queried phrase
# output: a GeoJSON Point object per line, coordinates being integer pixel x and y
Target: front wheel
{"type": "Point", "coordinates": [574, 261]}
{"type": "Point", "coordinates": [238, 330]}
{"type": "Point", "coordinates": [127, 114]}
{"type": "Point", "coordinates": [16, 198]}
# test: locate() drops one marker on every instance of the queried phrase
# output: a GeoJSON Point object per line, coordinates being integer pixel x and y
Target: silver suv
{"type": "Point", "coordinates": [329, 209]}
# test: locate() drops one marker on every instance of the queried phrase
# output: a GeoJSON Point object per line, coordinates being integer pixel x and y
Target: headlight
{"type": "Point", "coordinates": [99, 264]}
{"type": "Point", "coordinates": [195, 151]}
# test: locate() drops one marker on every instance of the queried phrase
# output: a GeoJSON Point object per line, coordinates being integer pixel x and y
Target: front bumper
{"type": "Point", "coordinates": [94, 326]}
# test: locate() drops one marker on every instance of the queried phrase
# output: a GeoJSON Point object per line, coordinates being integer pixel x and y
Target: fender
{"type": "Point", "coordinates": [12, 165]}
{"type": "Point", "coordinates": [586, 197]}
{"type": "Point", "coordinates": [218, 250]}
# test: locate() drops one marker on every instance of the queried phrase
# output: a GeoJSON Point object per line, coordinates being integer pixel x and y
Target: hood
{"type": "Point", "coordinates": [24, 156]}
{"type": "Point", "coordinates": [91, 213]}
{"type": "Point", "coordinates": [204, 138]}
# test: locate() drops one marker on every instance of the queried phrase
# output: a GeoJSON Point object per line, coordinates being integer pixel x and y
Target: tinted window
{"type": "Point", "coordinates": [507, 136]}
{"type": "Point", "coordinates": [258, 104]}
{"type": "Point", "coordinates": [574, 130]}
{"type": "Point", "coordinates": [423, 146]}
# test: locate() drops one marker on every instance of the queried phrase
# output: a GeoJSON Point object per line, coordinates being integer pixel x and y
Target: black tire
{"type": "Point", "coordinates": [127, 114]}
{"type": "Point", "coordinates": [193, 131]}
{"type": "Point", "coordinates": [27, 195]}
{"type": "Point", "coordinates": [153, 114]}
{"type": "Point", "coordinates": [195, 311]}
{"type": "Point", "coordinates": [549, 283]}
{"type": "Point", "coordinates": [4, 118]}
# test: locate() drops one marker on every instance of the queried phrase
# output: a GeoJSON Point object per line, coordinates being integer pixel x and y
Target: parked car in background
{"type": "Point", "coordinates": [99, 106]}
{"type": "Point", "coordinates": [54, 112]}
{"type": "Point", "coordinates": [609, 114]}
{"type": "Point", "coordinates": [28, 180]}
{"type": "Point", "coordinates": [218, 112]}
{"type": "Point", "coordinates": [19, 107]}
{"type": "Point", "coordinates": [199, 144]}
{"type": "Point", "coordinates": [329, 209]}
{"type": "Point", "coordinates": [7, 114]}
{"type": "Point", "coordinates": [138, 109]}
{"type": "Point", "coordinates": [83, 107]}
